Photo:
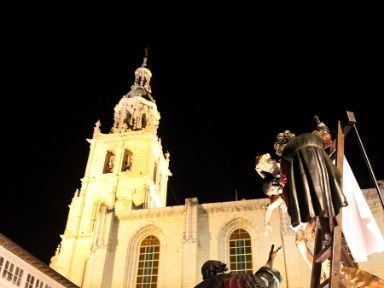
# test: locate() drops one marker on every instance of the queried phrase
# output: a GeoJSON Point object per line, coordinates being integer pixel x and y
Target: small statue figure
{"type": "Point", "coordinates": [269, 170]}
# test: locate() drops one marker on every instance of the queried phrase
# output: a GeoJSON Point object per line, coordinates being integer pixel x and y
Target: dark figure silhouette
{"type": "Point", "coordinates": [313, 183]}
{"type": "Point", "coordinates": [215, 276]}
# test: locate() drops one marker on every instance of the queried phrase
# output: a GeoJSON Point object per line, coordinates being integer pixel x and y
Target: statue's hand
{"type": "Point", "coordinates": [272, 255]}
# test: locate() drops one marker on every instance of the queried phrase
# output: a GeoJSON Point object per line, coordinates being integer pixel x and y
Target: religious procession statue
{"type": "Point", "coordinates": [313, 191]}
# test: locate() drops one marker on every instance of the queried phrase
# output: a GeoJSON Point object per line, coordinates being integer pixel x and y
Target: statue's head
{"type": "Point", "coordinates": [281, 140]}
{"type": "Point", "coordinates": [213, 267]}
{"type": "Point", "coordinates": [260, 159]}
{"type": "Point", "coordinates": [265, 166]}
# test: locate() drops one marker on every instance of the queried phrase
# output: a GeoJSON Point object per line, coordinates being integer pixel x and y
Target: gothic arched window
{"type": "Point", "coordinates": [127, 161]}
{"type": "Point", "coordinates": [109, 162]}
{"type": "Point", "coordinates": [240, 251]}
{"type": "Point", "coordinates": [155, 167]}
{"type": "Point", "coordinates": [148, 267]}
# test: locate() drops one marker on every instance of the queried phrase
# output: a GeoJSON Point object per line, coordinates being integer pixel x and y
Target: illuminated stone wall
{"type": "Point", "coordinates": [375, 263]}
{"type": "Point", "coordinates": [122, 200]}
{"type": "Point", "coordinates": [189, 235]}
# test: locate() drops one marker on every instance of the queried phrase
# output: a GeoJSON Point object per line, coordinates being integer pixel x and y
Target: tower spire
{"type": "Point", "coordinates": [142, 86]}
{"type": "Point", "coordinates": [145, 59]}
{"type": "Point", "coordinates": [137, 110]}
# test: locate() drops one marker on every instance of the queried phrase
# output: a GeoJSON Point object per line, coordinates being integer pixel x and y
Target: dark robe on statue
{"type": "Point", "coordinates": [215, 276]}
{"type": "Point", "coordinates": [313, 183]}
{"type": "Point", "coordinates": [264, 278]}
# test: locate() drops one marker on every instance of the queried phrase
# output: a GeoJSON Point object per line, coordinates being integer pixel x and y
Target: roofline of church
{"type": "Point", "coordinates": [35, 262]}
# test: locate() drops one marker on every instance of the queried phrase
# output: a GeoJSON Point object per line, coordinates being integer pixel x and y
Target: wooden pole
{"type": "Point", "coordinates": [337, 231]}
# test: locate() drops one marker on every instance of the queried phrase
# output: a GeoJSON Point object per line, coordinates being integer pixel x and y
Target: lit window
{"type": "Point", "coordinates": [148, 267]}
{"type": "Point", "coordinates": [39, 284]}
{"type": "Point", "coordinates": [17, 276]}
{"type": "Point", "coordinates": [8, 270]}
{"type": "Point", "coordinates": [240, 251]}
{"type": "Point", "coordinates": [30, 281]}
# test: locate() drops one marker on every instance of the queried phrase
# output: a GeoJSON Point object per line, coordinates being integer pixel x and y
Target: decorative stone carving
{"type": "Point", "coordinates": [135, 113]}
{"type": "Point", "coordinates": [190, 230]}
{"type": "Point", "coordinates": [96, 129]}
{"type": "Point", "coordinates": [103, 225]}
{"type": "Point", "coordinates": [232, 206]}
{"type": "Point", "coordinates": [54, 258]}
{"type": "Point", "coordinates": [137, 110]}
{"type": "Point", "coordinates": [150, 213]}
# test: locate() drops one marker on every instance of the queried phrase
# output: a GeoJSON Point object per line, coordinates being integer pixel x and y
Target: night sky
{"type": "Point", "coordinates": [225, 80]}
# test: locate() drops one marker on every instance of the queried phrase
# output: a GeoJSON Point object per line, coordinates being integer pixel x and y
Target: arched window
{"type": "Point", "coordinates": [240, 251]}
{"type": "Point", "coordinates": [127, 161]}
{"type": "Point", "coordinates": [155, 166]}
{"type": "Point", "coordinates": [148, 267]}
{"type": "Point", "coordinates": [109, 162]}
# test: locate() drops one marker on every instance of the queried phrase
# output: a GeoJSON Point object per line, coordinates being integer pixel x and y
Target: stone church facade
{"type": "Point", "coordinates": [120, 233]}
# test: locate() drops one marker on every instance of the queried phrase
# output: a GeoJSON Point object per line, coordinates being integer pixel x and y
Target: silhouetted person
{"type": "Point", "coordinates": [215, 276]}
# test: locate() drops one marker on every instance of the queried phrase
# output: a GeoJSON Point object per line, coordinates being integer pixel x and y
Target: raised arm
{"type": "Point", "coordinates": [272, 255]}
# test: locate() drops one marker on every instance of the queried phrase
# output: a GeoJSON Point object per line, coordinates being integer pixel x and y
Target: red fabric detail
{"type": "Point", "coordinates": [234, 282]}
{"type": "Point", "coordinates": [273, 198]}
{"type": "Point", "coordinates": [284, 168]}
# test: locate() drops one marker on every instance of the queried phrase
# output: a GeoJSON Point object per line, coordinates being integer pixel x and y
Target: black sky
{"type": "Point", "coordinates": [226, 81]}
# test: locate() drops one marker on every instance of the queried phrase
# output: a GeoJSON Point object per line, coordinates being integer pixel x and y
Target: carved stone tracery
{"type": "Point", "coordinates": [133, 114]}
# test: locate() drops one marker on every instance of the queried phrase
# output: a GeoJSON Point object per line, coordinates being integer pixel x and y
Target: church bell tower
{"type": "Point", "coordinates": [126, 171]}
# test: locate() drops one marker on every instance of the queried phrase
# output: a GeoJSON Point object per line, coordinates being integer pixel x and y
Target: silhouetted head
{"type": "Point", "coordinates": [213, 267]}
{"type": "Point", "coordinates": [281, 140]}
